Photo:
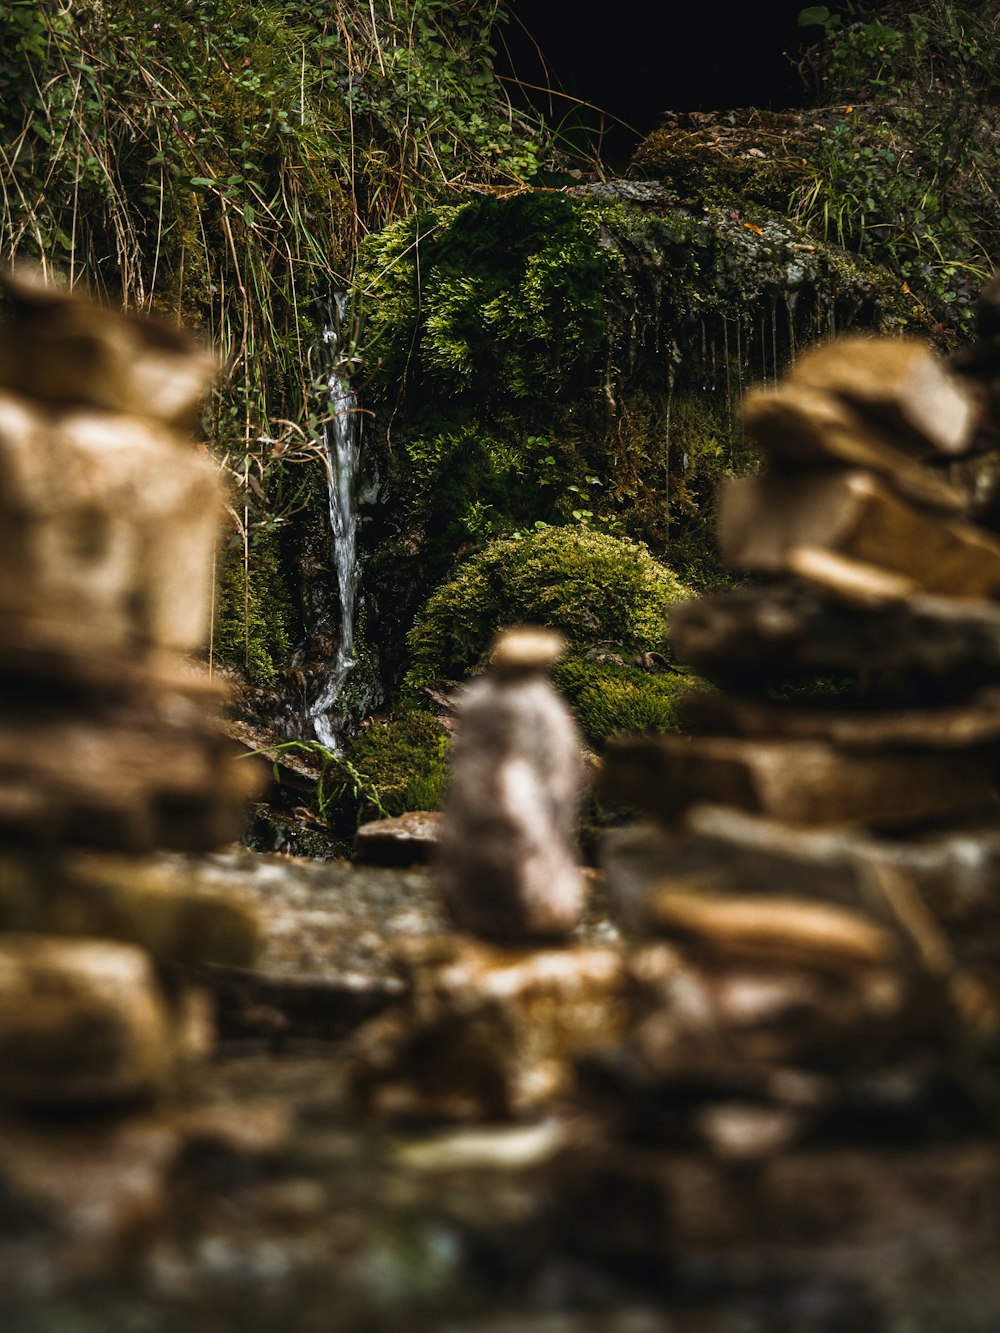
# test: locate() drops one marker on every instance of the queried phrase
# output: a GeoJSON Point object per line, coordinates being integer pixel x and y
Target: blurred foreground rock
{"type": "Point", "coordinates": [108, 519]}
{"type": "Point", "coordinates": [825, 877]}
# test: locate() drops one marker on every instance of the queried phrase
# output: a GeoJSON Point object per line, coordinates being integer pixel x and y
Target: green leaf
{"type": "Point", "coordinates": [814, 14]}
{"type": "Point", "coordinates": [202, 180]}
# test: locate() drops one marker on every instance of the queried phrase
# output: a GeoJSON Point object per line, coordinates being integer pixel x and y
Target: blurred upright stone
{"type": "Point", "coordinates": [506, 863]}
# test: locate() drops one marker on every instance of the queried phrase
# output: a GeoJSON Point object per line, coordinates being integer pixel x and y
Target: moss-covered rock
{"type": "Point", "coordinates": [589, 585]}
{"type": "Point", "coordinates": [609, 698]}
{"type": "Point", "coordinates": [255, 620]}
{"type": "Point", "coordinates": [403, 761]}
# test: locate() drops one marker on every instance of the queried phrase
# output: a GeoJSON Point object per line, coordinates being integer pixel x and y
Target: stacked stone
{"type": "Point", "coordinates": [108, 519]}
{"type": "Point", "coordinates": [828, 863]}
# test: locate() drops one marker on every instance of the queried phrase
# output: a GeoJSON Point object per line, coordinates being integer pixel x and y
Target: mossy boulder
{"type": "Point", "coordinates": [402, 762]}
{"type": "Point", "coordinates": [609, 698]}
{"type": "Point", "coordinates": [591, 586]}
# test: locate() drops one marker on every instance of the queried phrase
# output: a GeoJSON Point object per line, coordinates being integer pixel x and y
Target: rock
{"type": "Point", "coordinates": [805, 428]}
{"type": "Point", "coordinates": [85, 537]}
{"type": "Point", "coordinates": [845, 724]}
{"type": "Point", "coordinates": [801, 782]}
{"type": "Point", "coordinates": [782, 930]}
{"type": "Point", "coordinates": [407, 839]}
{"type": "Point", "coordinates": [763, 520]}
{"type": "Point", "coordinates": [81, 1021]}
{"type": "Point", "coordinates": [506, 862]}
{"type": "Point", "coordinates": [896, 383]}
{"type": "Point", "coordinates": [784, 630]}
{"type": "Point", "coordinates": [131, 765]}
{"type": "Point", "coordinates": [63, 348]}
{"type": "Point", "coordinates": [486, 1033]}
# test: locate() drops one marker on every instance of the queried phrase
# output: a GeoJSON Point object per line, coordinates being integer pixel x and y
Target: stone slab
{"type": "Point", "coordinates": [764, 520]}
{"type": "Point", "coordinates": [801, 782]}
{"type": "Point", "coordinates": [780, 630]}
{"type": "Point", "coordinates": [897, 383]}
{"type": "Point", "coordinates": [805, 428]}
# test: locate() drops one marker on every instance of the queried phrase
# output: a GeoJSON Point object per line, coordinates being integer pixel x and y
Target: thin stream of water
{"type": "Point", "coordinates": [342, 437]}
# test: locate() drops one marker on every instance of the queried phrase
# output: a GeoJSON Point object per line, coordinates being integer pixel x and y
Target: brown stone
{"type": "Point", "coordinates": [844, 723]}
{"type": "Point", "coordinates": [782, 930]}
{"type": "Point", "coordinates": [107, 520]}
{"type": "Point", "coordinates": [801, 427]}
{"type": "Point", "coordinates": [486, 1032]}
{"type": "Point", "coordinates": [407, 839]}
{"type": "Point", "coordinates": [64, 348]}
{"type": "Point", "coordinates": [783, 630]}
{"type": "Point", "coordinates": [802, 782]}
{"type": "Point", "coordinates": [81, 1021]}
{"type": "Point", "coordinates": [896, 382]}
{"type": "Point", "coordinates": [764, 519]}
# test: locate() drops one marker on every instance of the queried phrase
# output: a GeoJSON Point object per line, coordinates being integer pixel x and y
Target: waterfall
{"type": "Point", "coordinates": [342, 439]}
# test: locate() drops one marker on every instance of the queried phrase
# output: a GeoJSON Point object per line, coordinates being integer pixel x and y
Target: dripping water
{"type": "Point", "coordinates": [342, 441]}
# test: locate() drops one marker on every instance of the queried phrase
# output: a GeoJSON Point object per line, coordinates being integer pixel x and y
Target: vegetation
{"type": "Point", "coordinates": [906, 174]}
{"type": "Point", "coordinates": [404, 759]}
{"type": "Point", "coordinates": [590, 586]}
{"type": "Point", "coordinates": [609, 697]}
{"type": "Point", "coordinates": [220, 161]}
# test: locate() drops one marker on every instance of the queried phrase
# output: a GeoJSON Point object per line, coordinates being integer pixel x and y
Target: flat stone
{"type": "Point", "coordinates": [407, 839]}
{"type": "Point", "coordinates": [782, 630]}
{"type": "Point", "coordinates": [845, 724]}
{"type": "Point", "coordinates": [764, 520]}
{"type": "Point", "coordinates": [62, 347]}
{"type": "Point", "coordinates": [780, 929]}
{"type": "Point", "coordinates": [487, 1032]}
{"type": "Point", "coordinates": [802, 427]}
{"type": "Point", "coordinates": [897, 383]}
{"type": "Point", "coordinates": [81, 1021]}
{"type": "Point", "coordinates": [801, 782]}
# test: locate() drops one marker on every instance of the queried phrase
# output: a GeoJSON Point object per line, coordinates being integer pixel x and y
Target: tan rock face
{"type": "Point", "coordinates": [81, 1021]}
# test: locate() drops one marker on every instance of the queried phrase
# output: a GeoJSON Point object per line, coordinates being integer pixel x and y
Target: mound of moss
{"type": "Point", "coordinates": [589, 585]}
{"type": "Point", "coordinates": [401, 761]}
{"type": "Point", "coordinates": [608, 699]}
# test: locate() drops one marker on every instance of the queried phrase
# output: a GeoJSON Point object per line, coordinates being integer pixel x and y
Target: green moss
{"type": "Point", "coordinates": [500, 300]}
{"type": "Point", "coordinates": [591, 586]}
{"type": "Point", "coordinates": [608, 698]}
{"type": "Point", "coordinates": [404, 760]}
{"type": "Point", "coordinates": [254, 617]}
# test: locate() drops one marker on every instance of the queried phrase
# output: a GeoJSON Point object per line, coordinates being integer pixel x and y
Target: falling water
{"type": "Point", "coordinates": [342, 437]}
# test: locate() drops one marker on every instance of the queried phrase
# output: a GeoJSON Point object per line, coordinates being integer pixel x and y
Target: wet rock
{"type": "Point", "coordinates": [764, 520]}
{"type": "Point", "coordinates": [407, 839]}
{"type": "Point", "coordinates": [506, 862]}
{"type": "Point", "coordinates": [81, 1021]}
{"type": "Point", "coordinates": [486, 1033]}
{"type": "Point", "coordinates": [802, 782]}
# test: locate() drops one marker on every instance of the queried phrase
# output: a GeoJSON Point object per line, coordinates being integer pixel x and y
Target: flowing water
{"type": "Point", "coordinates": [342, 437]}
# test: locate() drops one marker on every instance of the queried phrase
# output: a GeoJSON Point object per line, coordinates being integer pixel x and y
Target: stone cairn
{"type": "Point", "coordinates": [822, 876]}
{"type": "Point", "coordinates": [108, 518]}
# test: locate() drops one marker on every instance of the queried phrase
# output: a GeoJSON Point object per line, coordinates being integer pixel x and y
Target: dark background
{"type": "Point", "coordinates": [640, 58]}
